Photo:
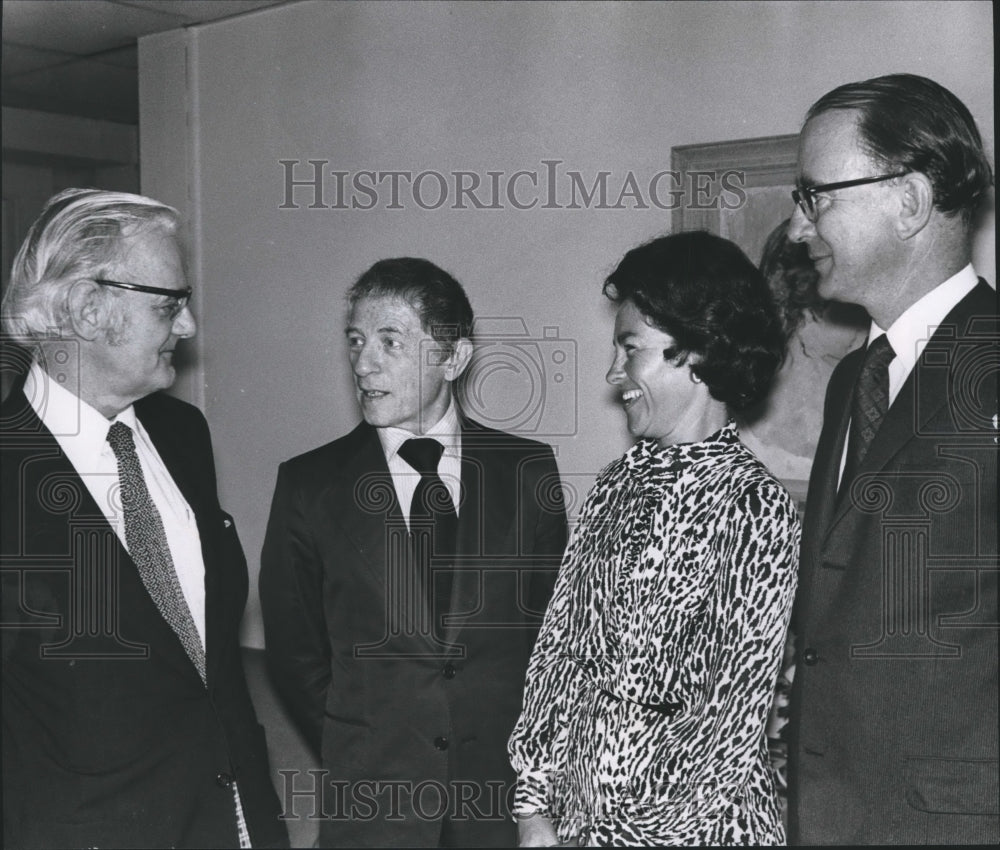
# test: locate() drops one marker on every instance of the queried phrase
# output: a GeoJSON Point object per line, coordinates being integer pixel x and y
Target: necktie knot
{"type": "Point", "coordinates": [120, 438]}
{"type": "Point", "coordinates": [423, 454]}
{"type": "Point", "coordinates": [879, 354]}
{"type": "Point", "coordinates": [869, 407]}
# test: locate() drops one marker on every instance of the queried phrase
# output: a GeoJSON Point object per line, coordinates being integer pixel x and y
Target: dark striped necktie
{"type": "Point", "coordinates": [871, 401]}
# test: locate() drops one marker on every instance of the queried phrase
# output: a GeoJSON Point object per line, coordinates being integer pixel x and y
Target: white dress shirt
{"type": "Point", "coordinates": [448, 432]}
{"type": "Point", "coordinates": [82, 433]}
{"type": "Point", "coordinates": [911, 332]}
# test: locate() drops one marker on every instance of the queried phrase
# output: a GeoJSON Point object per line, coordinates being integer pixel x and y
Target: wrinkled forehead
{"type": "Point", "coordinates": [155, 250]}
{"type": "Point", "coordinates": [376, 312]}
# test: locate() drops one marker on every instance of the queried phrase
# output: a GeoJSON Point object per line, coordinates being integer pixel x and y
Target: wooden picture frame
{"type": "Point", "coordinates": [763, 170]}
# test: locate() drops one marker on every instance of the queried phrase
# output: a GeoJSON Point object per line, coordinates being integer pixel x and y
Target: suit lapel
{"type": "Point", "coordinates": [925, 392]}
{"type": "Point", "coordinates": [362, 498]}
{"type": "Point", "coordinates": [176, 454]}
{"type": "Point", "coordinates": [480, 530]}
{"type": "Point", "coordinates": [132, 621]}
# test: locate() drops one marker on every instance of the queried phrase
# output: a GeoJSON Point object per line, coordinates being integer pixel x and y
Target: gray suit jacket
{"type": "Point", "coordinates": [894, 727]}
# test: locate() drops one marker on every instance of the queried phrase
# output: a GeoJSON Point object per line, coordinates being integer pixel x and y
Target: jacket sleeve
{"type": "Point", "coordinates": [291, 598]}
{"type": "Point", "coordinates": [549, 537]}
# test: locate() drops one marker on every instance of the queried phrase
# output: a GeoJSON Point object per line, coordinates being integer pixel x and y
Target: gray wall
{"type": "Point", "coordinates": [469, 87]}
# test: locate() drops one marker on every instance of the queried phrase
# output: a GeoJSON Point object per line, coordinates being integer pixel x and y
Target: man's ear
{"type": "Point", "coordinates": [86, 310]}
{"type": "Point", "coordinates": [916, 204]}
{"type": "Point", "coordinates": [458, 362]}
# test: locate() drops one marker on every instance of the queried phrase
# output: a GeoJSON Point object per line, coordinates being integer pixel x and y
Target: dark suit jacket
{"type": "Point", "coordinates": [894, 721]}
{"type": "Point", "coordinates": [387, 706]}
{"type": "Point", "coordinates": [110, 739]}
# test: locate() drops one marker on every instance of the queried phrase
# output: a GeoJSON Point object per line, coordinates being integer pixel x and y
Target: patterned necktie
{"type": "Point", "coordinates": [433, 522]}
{"type": "Point", "coordinates": [871, 401]}
{"type": "Point", "coordinates": [147, 545]}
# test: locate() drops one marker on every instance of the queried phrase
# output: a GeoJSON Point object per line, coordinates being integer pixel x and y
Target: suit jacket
{"type": "Point", "coordinates": [408, 727]}
{"type": "Point", "coordinates": [894, 721]}
{"type": "Point", "coordinates": [110, 738]}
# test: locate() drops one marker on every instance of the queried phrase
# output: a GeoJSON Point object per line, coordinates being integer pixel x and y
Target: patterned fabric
{"type": "Point", "coordinates": [241, 821]}
{"type": "Point", "coordinates": [147, 545]}
{"type": "Point", "coordinates": [650, 684]}
{"type": "Point", "coordinates": [871, 401]}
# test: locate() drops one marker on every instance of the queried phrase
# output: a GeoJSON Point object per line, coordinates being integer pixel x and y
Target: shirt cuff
{"type": "Point", "coordinates": [532, 795]}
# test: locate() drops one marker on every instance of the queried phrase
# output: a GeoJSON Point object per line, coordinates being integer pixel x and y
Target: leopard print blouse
{"type": "Point", "coordinates": [649, 687]}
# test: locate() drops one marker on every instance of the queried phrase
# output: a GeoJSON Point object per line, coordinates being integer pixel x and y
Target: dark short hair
{"type": "Point", "coordinates": [792, 278]}
{"type": "Point", "coordinates": [703, 291]}
{"type": "Point", "coordinates": [444, 308]}
{"type": "Point", "coordinates": [910, 123]}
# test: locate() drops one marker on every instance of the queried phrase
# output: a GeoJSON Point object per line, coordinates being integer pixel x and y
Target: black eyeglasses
{"type": "Point", "coordinates": [805, 196]}
{"type": "Point", "coordinates": [181, 297]}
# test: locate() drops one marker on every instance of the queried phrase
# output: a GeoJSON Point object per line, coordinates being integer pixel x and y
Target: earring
{"type": "Point", "coordinates": [694, 378]}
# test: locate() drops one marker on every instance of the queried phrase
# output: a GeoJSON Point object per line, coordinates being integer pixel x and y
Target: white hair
{"type": "Point", "coordinates": [76, 237]}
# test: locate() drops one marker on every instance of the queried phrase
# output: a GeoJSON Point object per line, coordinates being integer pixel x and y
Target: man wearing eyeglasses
{"type": "Point", "coordinates": [126, 716]}
{"type": "Point", "coordinates": [894, 722]}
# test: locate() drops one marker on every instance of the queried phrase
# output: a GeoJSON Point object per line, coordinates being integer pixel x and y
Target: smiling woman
{"type": "Point", "coordinates": [649, 687]}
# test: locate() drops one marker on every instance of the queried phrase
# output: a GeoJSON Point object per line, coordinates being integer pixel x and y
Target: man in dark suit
{"type": "Point", "coordinates": [397, 632]}
{"type": "Point", "coordinates": [894, 721]}
{"type": "Point", "coordinates": [126, 716]}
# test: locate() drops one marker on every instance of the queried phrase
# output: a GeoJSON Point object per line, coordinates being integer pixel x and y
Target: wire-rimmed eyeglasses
{"type": "Point", "coordinates": [805, 196]}
{"type": "Point", "coordinates": [181, 297]}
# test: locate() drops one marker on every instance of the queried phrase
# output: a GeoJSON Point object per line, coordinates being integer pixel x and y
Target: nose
{"type": "Point", "coordinates": [616, 374]}
{"type": "Point", "coordinates": [185, 325]}
{"type": "Point", "coordinates": [800, 228]}
{"type": "Point", "coordinates": [364, 360]}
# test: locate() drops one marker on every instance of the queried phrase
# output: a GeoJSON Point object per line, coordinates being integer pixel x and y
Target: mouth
{"type": "Point", "coordinates": [371, 395]}
{"type": "Point", "coordinates": [629, 397]}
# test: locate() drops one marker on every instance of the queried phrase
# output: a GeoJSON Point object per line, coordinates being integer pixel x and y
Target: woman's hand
{"type": "Point", "coordinates": [536, 831]}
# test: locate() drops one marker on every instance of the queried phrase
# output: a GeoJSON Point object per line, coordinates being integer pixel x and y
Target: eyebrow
{"type": "Point", "coordinates": [388, 329]}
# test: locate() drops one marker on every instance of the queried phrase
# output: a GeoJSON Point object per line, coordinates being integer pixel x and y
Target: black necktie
{"type": "Point", "coordinates": [147, 545]}
{"type": "Point", "coordinates": [871, 401]}
{"type": "Point", "coordinates": [433, 523]}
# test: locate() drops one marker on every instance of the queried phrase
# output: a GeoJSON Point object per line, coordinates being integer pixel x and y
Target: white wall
{"type": "Point", "coordinates": [476, 87]}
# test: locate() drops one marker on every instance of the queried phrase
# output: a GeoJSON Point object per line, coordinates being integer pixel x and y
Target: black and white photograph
{"type": "Point", "coordinates": [467, 423]}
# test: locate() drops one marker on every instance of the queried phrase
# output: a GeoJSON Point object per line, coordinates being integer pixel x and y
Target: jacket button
{"type": "Point", "coordinates": [449, 671]}
{"type": "Point", "coordinates": [810, 656]}
{"type": "Point", "coordinates": [223, 780]}
{"type": "Point", "coordinates": [441, 743]}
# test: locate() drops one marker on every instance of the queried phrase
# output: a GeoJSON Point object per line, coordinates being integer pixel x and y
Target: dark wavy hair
{"type": "Point", "coordinates": [704, 291]}
{"type": "Point", "coordinates": [791, 277]}
{"type": "Point", "coordinates": [911, 123]}
{"type": "Point", "coordinates": [439, 299]}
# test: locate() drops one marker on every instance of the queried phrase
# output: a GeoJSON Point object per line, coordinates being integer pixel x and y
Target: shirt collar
{"type": "Point", "coordinates": [447, 431]}
{"type": "Point", "coordinates": [80, 429]}
{"type": "Point", "coordinates": [910, 333]}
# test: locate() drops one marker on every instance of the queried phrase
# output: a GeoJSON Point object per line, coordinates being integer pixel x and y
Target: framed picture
{"type": "Point", "coordinates": [757, 177]}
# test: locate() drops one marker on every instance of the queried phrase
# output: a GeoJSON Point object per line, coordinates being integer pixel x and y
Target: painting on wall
{"type": "Point", "coordinates": [783, 430]}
